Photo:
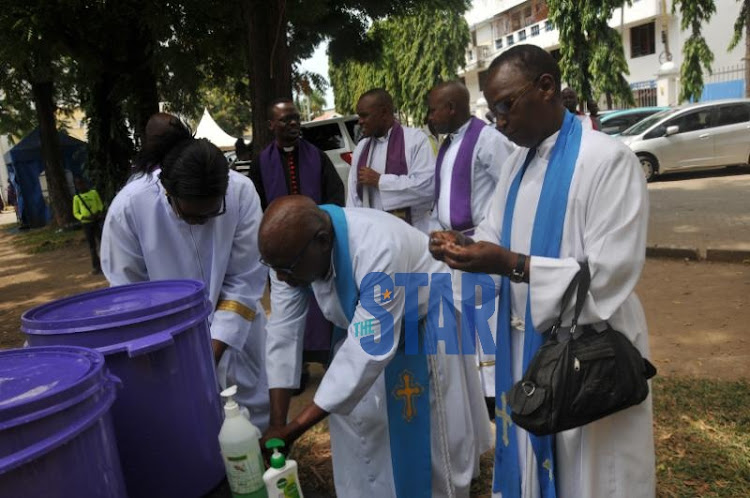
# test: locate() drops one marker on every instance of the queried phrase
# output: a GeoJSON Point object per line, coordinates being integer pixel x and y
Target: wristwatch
{"type": "Point", "coordinates": [518, 273]}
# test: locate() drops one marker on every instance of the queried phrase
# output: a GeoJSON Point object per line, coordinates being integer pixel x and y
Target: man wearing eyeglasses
{"type": "Point", "coordinates": [467, 169]}
{"type": "Point", "coordinates": [291, 165]}
{"type": "Point", "coordinates": [567, 195]}
{"type": "Point", "coordinates": [401, 424]}
{"type": "Point", "coordinates": [193, 218]}
{"type": "Point", "coordinates": [393, 167]}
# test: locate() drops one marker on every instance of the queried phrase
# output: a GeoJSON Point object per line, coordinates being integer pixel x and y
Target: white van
{"type": "Point", "coordinates": [337, 137]}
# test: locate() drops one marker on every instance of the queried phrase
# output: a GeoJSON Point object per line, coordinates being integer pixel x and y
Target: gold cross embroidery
{"type": "Point", "coordinates": [406, 391]}
{"type": "Point", "coordinates": [505, 417]}
{"type": "Point", "coordinates": [548, 465]}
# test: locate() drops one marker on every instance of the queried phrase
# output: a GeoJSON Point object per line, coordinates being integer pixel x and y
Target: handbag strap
{"type": "Point", "coordinates": [581, 281]}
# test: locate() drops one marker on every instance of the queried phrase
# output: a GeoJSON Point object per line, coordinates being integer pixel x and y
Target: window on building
{"type": "Point", "coordinates": [548, 25]}
{"type": "Point", "coordinates": [482, 79]}
{"type": "Point", "coordinates": [535, 30]}
{"type": "Point", "coordinates": [469, 55]}
{"type": "Point", "coordinates": [643, 40]}
{"type": "Point", "coordinates": [522, 35]}
{"type": "Point", "coordinates": [511, 41]}
{"type": "Point", "coordinates": [498, 44]}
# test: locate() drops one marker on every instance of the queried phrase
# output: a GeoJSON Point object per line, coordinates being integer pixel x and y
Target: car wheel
{"type": "Point", "coordinates": [649, 166]}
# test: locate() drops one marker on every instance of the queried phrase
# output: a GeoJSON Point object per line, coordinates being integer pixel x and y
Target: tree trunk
{"type": "Point", "coordinates": [270, 69]}
{"type": "Point", "coordinates": [747, 53]}
{"type": "Point", "coordinates": [609, 100]}
{"type": "Point", "coordinates": [146, 100]}
{"type": "Point", "coordinates": [59, 195]}
{"type": "Point", "coordinates": [110, 148]}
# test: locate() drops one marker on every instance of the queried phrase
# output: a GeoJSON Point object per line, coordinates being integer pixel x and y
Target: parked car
{"type": "Point", "coordinates": [615, 122]}
{"type": "Point", "coordinates": [695, 136]}
{"type": "Point", "coordinates": [337, 137]}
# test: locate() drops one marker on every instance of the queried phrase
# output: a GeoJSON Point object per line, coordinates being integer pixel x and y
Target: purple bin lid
{"type": "Point", "coordinates": [114, 306]}
{"type": "Point", "coordinates": [37, 381]}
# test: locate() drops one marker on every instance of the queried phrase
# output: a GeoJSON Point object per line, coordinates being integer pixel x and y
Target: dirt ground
{"type": "Point", "coordinates": [697, 312]}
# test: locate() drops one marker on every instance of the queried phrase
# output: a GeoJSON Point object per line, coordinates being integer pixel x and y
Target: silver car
{"type": "Point", "coordinates": [695, 136]}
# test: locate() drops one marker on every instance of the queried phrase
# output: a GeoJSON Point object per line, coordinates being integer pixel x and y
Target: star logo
{"type": "Point", "coordinates": [387, 295]}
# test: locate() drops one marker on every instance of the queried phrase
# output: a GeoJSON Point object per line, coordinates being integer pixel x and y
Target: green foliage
{"type": "Point", "coordinates": [416, 52]}
{"type": "Point", "coordinates": [740, 24]}
{"type": "Point", "coordinates": [696, 54]}
{"type": "Point", "coordinates": [592, 57]}
{"type": "Point", "coordinates": [229, 105]}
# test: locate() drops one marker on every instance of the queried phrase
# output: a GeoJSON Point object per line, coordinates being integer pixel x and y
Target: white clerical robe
{"type": "Point", "coordinates": [353, 388]}
{"type": "Point", "coordinates": [415, 190]}
{"type": "Point", "coordinates": [605, 223]}
{"type": "Point", "coordinates": [490, 153]}
{"type": "Point", "coordinates": [143, 239]}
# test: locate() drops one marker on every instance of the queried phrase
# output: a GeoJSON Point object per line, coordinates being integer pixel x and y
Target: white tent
{"type": "Point", "coordinates": [208, 129]}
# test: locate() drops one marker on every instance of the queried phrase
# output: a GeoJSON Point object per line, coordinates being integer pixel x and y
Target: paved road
{"type": "Point", "coordinates": [701, 210]}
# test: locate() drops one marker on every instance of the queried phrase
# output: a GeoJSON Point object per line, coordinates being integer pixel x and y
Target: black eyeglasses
{"type": "Point", "coordinates": [289, 118]}
{"type": "Point", "coordinates": [505, 107]}
{"type": "Point", "coordinates": [197, 218]}
{"type": "Point", "coordinates": [288, 270]}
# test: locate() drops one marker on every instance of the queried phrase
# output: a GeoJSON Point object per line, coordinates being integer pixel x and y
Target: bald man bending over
{"type": "Point", "coordinates": [468, 166]}
{"type": "Point", "coordinates": [389, 418]}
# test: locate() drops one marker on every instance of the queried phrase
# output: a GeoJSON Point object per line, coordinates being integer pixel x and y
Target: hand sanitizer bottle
{"type": "Point", "coordinates": [281, 479]}
{"type": "Point", "coordinates": [240, 447]}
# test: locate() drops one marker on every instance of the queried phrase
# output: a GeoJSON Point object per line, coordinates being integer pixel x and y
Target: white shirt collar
{"type": "Point", "coordinates": [461, 131]}
{"type": "Point", "coordinates": [544, 149]}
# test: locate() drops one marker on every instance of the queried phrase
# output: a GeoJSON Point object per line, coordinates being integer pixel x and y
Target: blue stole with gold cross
{"type": "Point", "coordinates": [407, 381]}
{"type": "Point", "coordinates": [546, 238]}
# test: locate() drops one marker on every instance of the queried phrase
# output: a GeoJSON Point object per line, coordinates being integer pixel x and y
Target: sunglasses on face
{"type": "Point", "coordinates": [197, 218]}
{"type": "Point", "coordinates": [289, 270]}
{"type": "Point", "coordinates": [505, 107]}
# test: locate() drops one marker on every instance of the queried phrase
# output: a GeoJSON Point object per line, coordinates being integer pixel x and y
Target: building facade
{"type": "Point", "coordinates": [651, 36]}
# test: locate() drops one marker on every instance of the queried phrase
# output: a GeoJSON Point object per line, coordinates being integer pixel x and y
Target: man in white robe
{"type": "Point", "coordinates": [302, 244]}
{"type": "Point", "coordinates": [472, 154]}
{"type": "Point", "coordinates": [146, 239]}
{"type": "Point", "coordinates": [393, 166]}
{"type": "Point", "coordinates": [605, 223]}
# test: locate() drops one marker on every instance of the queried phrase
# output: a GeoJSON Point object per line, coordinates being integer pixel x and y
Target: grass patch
{"type": "Point", "coordinates": [702, 436]}
{"type": "Point", "coordinates": [38, 240]}
{"type": "Point", "coordinates": [701, 433]}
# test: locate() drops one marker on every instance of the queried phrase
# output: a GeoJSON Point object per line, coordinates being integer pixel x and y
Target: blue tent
{"type": "Point", "coordinates": [25, 164]}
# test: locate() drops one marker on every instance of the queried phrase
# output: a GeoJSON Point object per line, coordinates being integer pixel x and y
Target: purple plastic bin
{"type": "Point", "coordinates": [155, 338]}
{"type": "Point", "coordinates": [56, 434]}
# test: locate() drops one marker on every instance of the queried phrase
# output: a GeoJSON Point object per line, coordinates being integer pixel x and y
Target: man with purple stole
{"type": "Point", "coordinates": [394, 164]}
{"type": "Point", "coordinates": [468, 166]}
{"type": "Point", "coordinates": [291, 165]}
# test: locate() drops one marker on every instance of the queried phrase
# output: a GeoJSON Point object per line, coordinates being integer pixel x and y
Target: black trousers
{"type": "Point", "coordinates": [93, 233]}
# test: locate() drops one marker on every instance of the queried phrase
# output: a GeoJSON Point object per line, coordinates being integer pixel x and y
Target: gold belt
{"type": "Point", "coordinates": [237, 307]}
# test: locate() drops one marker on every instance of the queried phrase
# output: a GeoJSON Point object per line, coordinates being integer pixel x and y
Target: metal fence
{"type": "Point", "coordinates": [727, 73]}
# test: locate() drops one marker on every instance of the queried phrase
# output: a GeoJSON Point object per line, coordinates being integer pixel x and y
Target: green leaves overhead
{"type": "Point", "coordinates": [592, 58]}
{"type": "Point", "coordinates": [696, 54]}
{"type": "Point", "coordinates": [409, 55]}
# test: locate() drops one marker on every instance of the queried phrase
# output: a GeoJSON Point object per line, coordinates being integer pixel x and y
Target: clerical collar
{"type": "Point", "coordinates": [288, 149]}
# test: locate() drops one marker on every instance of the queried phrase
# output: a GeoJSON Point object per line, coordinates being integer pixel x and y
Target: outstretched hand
{"type": "Point", "coordinates": [440, 240]}
{"type": "Point", "coordinates": [479, 257]}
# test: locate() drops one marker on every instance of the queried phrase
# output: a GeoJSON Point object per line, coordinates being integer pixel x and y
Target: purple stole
{"type": "Point", "coordinates": [460, 200]}
{"type": "Point", "coordinates": [395, 163]}
{"type": "Point", "coordinates": [309, 171]}
{"type": "Point", "coordinates": [309, 174]}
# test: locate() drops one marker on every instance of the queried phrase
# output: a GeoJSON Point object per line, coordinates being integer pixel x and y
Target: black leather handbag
{"type": "Point", "coordinates": [587, 376]}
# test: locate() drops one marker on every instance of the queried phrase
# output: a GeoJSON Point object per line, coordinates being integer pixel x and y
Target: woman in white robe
{"type": "Point", "coordinates": [150, 235]}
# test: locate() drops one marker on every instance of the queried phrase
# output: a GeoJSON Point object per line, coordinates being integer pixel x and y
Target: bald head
{"type": "Point", "coordinates": [296, 234]}
{"type": "Point", "coordinates": [375, 111]}
{"type": "Point", "coordinates": [159, 124]}
{"type": "Point", "coordinates": [448, 106]}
